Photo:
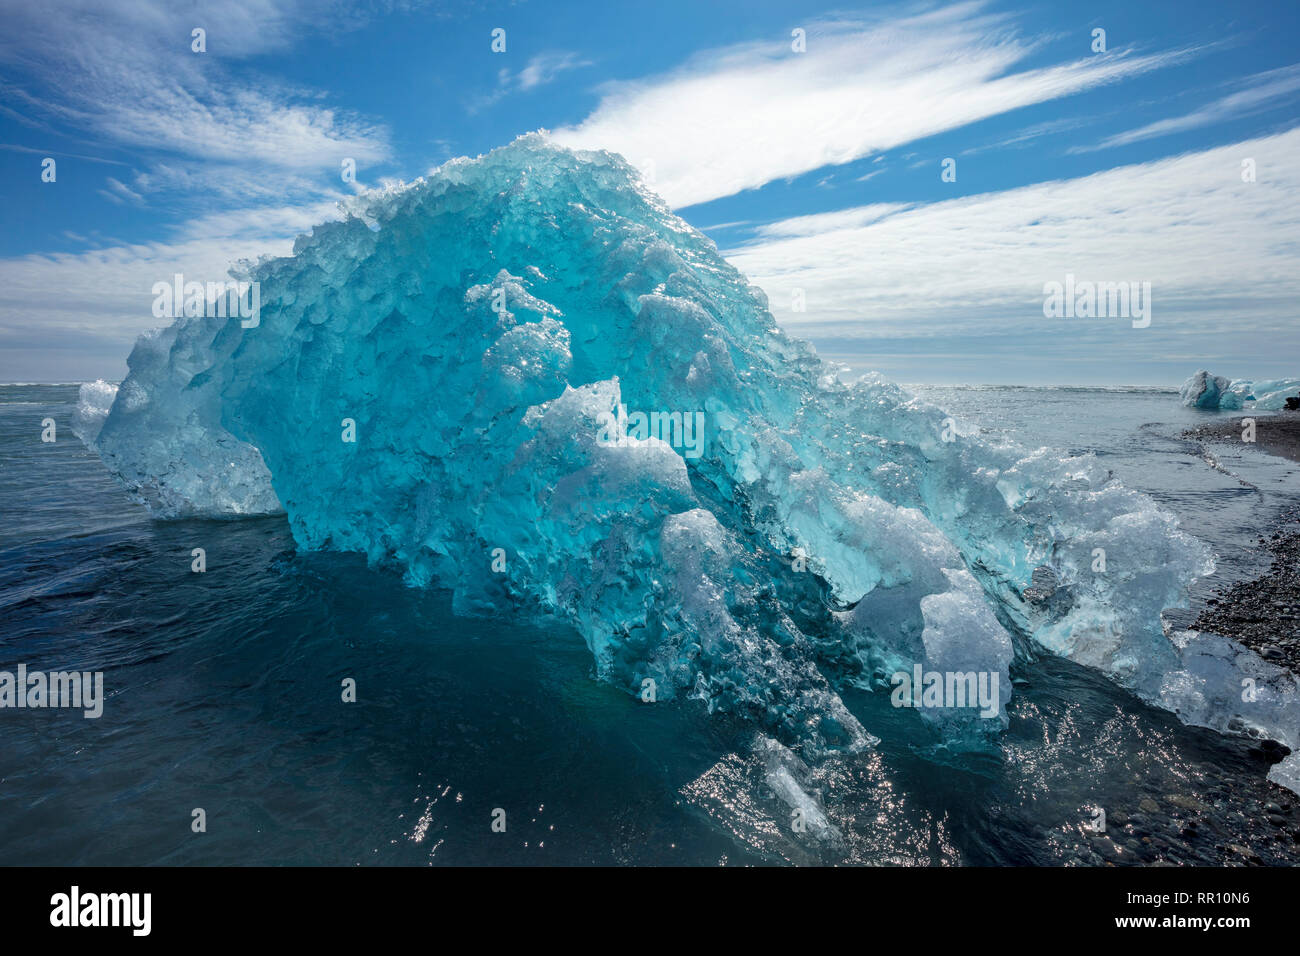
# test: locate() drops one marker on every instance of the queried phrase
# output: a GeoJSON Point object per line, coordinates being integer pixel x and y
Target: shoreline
{"type": "Point", "coordinates": [1264, 613]}
{"type": "Point", "coordinates": [1277, 433]}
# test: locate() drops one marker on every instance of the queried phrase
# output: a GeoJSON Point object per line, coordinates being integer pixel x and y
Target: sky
{"type": "Point", "coordinates": [905, 181]}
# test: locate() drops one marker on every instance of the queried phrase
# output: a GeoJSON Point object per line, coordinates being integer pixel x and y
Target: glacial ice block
{"type": "Point", "coordinates": [162, 436]}
{"type": "Point", "coordinates": [1271, 395]}
{"type": "Point", "coordinates": [94, 402]}
{"type": "Point", "coordinates": [1204, 390]}
{"type": "Point", "coordinates": [432, 381]}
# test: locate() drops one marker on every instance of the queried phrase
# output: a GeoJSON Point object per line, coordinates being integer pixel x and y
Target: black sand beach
{"type": "Point", "coordinates": [1263, 614]}
{"type": "Point", "coordinates": [1275, 434]}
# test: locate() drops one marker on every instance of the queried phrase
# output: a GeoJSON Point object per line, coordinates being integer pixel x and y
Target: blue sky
{"type": "Point", "coordinates": [817, 172]}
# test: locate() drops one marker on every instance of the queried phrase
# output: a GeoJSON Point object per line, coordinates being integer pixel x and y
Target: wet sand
{"type": "Point", "coordinates": [1264, 614]}
{"type": "Point", "coordinates": [1276, 434]}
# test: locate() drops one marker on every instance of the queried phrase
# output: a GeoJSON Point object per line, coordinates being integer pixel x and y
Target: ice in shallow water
{"type": "Point", "coordinates": [431, 383]}
{"type": "Point", "coordinates": [1204, 390]}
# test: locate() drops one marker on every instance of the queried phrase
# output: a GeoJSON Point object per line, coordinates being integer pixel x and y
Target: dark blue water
{"type": "Point", "coordinates": [224, 693]}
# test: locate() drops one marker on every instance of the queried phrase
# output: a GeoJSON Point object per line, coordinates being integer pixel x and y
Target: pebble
{"type": "Point", "coordinates": [1186, 802]}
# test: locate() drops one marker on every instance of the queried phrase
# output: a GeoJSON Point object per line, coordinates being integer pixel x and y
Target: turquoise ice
{"type": "Point", "coordinates": [1203, 390]}
{"type": "Point", "coordinates": [427, 386]}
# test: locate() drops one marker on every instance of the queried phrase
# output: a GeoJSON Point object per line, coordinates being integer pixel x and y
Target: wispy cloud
{"type": "Point", "coordinates": [126, 74]}
{"type": "Point", "coordinates": [540, 70]}
{"type": "Point", "coordinates": [1262, 91]}
{"type": "Point", "coordinates": [545, 67]}
{"type": "Point", "coordinates": [742, 116]}
{"type": "Point", "coordinates": [15, 148]}
{"type": "Point", "coordinates": [239, 162]}
{"type": "Point", "coordinates": [120, 193]}
{"type": "Point", "coordinates": [1031, 135]}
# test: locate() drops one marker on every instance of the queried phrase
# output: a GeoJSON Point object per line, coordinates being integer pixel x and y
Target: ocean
{"type": "Point", "coordinates": [223, 695]}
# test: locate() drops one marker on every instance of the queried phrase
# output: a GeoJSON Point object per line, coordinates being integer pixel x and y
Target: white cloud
{"type": "Point", "coordinates": [739, 117]}
{"type": "Point", "coordinates": [1031, 135]}
{"type": "Point", "coordinates": [126, 74]}
{"type": "Point", "coordinates": [241, 163]}
{"type": "Point", "coordinates": [13, 147]}
{"type": "Point", "coordinates": [243, 126]}
{"type": "Point", "coordinates": [540, 70]}
{"type": "Point", "coordinates": [96, 302]}
{"type": "Point", "coordinates": [120, 193]}
{"type": "Point", "coordinates": [1267, 89]}
{"type": "Point", "coordinates": [1220, 254]}
{"type": "Point", "coordinates": [545, 67]}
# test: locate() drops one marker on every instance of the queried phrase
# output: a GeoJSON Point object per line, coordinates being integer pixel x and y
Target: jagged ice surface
{"type": "Point", "coordinates": [1203, 390]}
{"type": "Point", "coordinates": [829, 535]}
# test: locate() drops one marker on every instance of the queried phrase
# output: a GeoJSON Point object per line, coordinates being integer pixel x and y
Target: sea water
{"type": "Point", "coordinates": [224, 693]}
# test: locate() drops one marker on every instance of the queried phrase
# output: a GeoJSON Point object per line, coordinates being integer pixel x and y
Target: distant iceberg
{"type": "Point", "coordinates": [1204, 390]}
{"type": "Point", "coordinates": [483, 378]}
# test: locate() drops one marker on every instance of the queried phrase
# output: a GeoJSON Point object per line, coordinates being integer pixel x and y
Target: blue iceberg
{"type": "Point", "coordinates": [525, 380]}
{"type": "Point", "coordinates": [1204, 390]}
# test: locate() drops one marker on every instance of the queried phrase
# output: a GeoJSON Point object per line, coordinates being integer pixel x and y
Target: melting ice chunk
{"type": "Point", "coordinates": [431, 393]}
